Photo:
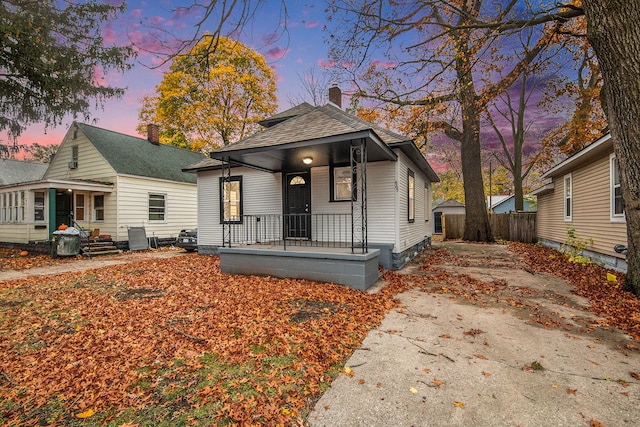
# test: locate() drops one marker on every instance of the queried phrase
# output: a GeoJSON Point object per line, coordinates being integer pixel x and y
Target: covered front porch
{"type": "Point", "coordinates": [327, 243]}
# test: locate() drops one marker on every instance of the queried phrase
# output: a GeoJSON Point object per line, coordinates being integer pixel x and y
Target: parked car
{"type": "Point", "coordinates": [188, 239]}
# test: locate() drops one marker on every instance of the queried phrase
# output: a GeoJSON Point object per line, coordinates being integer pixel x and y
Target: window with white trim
{"type": "Point", "coordinates": [98, 207]}
{"type": "Point", "coordinates": [79, 207]}
{"type": "Point", "coordinates": [617, 204]}
{"type": "Point", "coordinates": [568, 198]}
{"type": "Point", "coordinates": [157, 207]}
{"type": "Point", "coordinates": [38, 205]}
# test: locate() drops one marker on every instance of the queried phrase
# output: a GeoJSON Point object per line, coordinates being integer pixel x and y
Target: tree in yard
{"type": "Point", "coordinates": [435, 57]}
{"type": "Point", "coordinates": [202, 105]}
{"type": "Point", "coordinates": [613, 31]}
{"type": "Point", "coordinates": [512, 156]}
{"type": "Point", "coordinates": [52, 55]}
{"type": "Point", "coordinates": [39, 152]}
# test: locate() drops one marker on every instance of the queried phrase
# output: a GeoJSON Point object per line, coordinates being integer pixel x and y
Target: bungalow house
{"type": "Point", "coordinates": [318, 194]}
{"type": "Point", "coordinates": [101, 180]}
{"type": "Point", "coordinates": [448, 207]}
{"type": "Point", "coordinates": [583, 199]}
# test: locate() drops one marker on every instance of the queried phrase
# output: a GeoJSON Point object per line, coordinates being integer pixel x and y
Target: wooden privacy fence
{"type": "Point", "coordinates": [515, 227]}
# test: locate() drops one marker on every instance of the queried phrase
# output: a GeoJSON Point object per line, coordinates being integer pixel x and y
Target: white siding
{"type": "Point", "coordinates": [91, 164]}
{"type": "Point", "coordinates": [133, 207]}
{"type": "Point", "coordinates": [382, 219]}
{"type": "Point", "coordinates": [410, 233]}
{"type": "Point", "coordinates": [23, 231]}
{"type": "Point", "coordinates": [261, 194]}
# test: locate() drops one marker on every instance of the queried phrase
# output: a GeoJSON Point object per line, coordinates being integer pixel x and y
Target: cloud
{"type": "Point", "coordinates": [312, 24]}
{"type": "Point", "coordinates": [385, 64]}
{"type": "Point", "coordinates": [156, 20]}
{"type": "Point", "coordinates": [135, 13]}
{"type": "Point", "coordinates": [109, 33]}
{"type": "Point", "coordinates": [326, 63]}
{"type": "Point", "coordinates": [270, 38]}
{"type": "Point", "coordinates": [276, 53]}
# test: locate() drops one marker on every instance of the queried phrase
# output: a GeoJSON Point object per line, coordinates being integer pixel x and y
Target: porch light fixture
{"type": "Point", "coordinates": [307, 160]}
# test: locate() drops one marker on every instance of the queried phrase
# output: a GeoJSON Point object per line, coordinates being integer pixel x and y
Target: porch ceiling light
{"type": "Point", "coordinates": [307, 160]}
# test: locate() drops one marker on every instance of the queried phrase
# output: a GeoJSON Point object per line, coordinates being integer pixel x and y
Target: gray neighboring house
{"type": "Point", "coordinates": [317, 194]}
{"type": "Point", "coordinates": [448, 207]}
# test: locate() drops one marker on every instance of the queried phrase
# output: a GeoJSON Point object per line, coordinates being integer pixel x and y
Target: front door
{"type": "Point", "coordinates": [63, 208]}
{"type": "Point", "coordinates": [298, 205]}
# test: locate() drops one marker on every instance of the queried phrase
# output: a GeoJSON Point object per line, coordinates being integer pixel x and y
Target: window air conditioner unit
{"type": "Point", "coordinates": [73, 164]}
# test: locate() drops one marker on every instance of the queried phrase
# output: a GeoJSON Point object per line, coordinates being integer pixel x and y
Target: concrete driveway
{"type": "Point", "coordinates": [526, 354]}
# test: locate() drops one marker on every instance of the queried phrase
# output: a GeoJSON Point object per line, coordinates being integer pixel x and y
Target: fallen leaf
{"type": "Point", "coordinates": [473, 332]}
{"type": "Point", "coordinates": [413, 390]}
{"type": "Point", "coordinates": [594, 423]}
{"type": "Point", "coordinates": [437, 382]}
{"type": "Point", "coordinates": [86, 414]}
{"type": "Point", "coordinates": [635, 375]}
{"type": "Point", "coordinates": [486, 374]}
{"type": "Point", "coordinates": [378, 385]}
{"type": "Point", "coordinates": [426, 370]}
{"type": "Point", "coordinates": [327, 407]}
{"type": "Point", "coordinates": [361, 381]}
{"type": "Point", "coordinates": [554, 385]}
{"type": "Point", "coordinates": [572, 391]}
{"type": "Point", "coordinates": [348, 371]}
{"type": "Point", "coordinates": [594, 362]}
{"type": "Point", "coordinates": [445, 336]}
{"type": "Point", "coordinates": [480, 356]}
{"type": "Point", "coordinates": [458, 404]}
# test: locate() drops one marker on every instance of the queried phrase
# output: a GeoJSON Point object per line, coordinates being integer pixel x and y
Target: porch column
{"type": "Point", "coordinates": [226, 178]}
{"type": "Point", "coordinates": [359, 202]}
{"type": "Point", "coordinates": [52, 211]}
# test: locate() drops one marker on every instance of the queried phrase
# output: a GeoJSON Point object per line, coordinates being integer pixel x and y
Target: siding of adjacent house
{"type": "Point", "coordinates": [591, 216]}
{"type": "Point", "coordinates": [91, 165]}
{"type": "Point", "coordinates": [133, 207]}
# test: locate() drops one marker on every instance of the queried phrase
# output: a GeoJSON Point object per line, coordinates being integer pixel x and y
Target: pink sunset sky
{"type": "Point", "coordinates": [290, 48]}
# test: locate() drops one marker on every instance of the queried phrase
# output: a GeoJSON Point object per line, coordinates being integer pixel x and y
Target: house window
{"type": "Point", "coordinates": [38, 206]}
{"type": "Point", "coordinates": [157, 207]}
{"type": "Point", "coordinates": [3, 207]}
{"type": "Point", "coordinates": [79, 207]}
{"type": "Point", "coordinates": [617, 204]}
{"type": "Point", "coordinates": [411, 195]}
{"type": "Point", "coordinates": [427, 210]}
{"type": "Point", "coordinates": [341, 181]}
{"type": "Point", "coordinates": [98, 207]}
{"type": "Point", "coordinates": [21, 206]}
{"type": "Point", "coordinates": [568, 199]}
{"type": "Point", "coordinates": [73, 164]}
{"type": "Point", "coordinates": [231, 199]}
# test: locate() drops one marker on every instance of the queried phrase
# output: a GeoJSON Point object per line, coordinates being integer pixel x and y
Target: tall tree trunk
{"type": "Point", "coordinates": [476, 223]}
{"type": "Point", "coordinates": [613, 29]}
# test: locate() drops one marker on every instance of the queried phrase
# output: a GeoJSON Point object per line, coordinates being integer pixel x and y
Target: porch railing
{"type": "Point", "coordinates": [314, 230]}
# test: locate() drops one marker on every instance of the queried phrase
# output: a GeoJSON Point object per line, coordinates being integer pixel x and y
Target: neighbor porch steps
{"type": "Point", "coordinates": [95, 247]}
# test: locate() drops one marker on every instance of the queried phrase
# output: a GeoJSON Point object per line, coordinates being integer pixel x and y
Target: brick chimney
{"type": "Point", "coordinates": [153, 134]}
{"type": "Point", "coordinates": [335, 95]}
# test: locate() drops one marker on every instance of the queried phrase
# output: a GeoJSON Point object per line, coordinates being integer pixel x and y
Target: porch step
{"type": "Point", "coordinates": [99, 247]}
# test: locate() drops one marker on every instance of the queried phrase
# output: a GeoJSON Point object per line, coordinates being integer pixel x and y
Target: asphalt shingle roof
{"type": "Point", "coordinates": [137, 156]}
{"type": "Point", "coordinates": [319, 122]}
{"type": "Point", "coordinates": [16, 171]}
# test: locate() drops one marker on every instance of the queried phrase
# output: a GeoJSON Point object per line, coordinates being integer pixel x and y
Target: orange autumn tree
{"type": "Point", "coordinates": [209, 99]}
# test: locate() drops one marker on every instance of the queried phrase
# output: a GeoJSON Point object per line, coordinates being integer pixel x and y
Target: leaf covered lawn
{"type": "Point", "coordinates": [175, 342]}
